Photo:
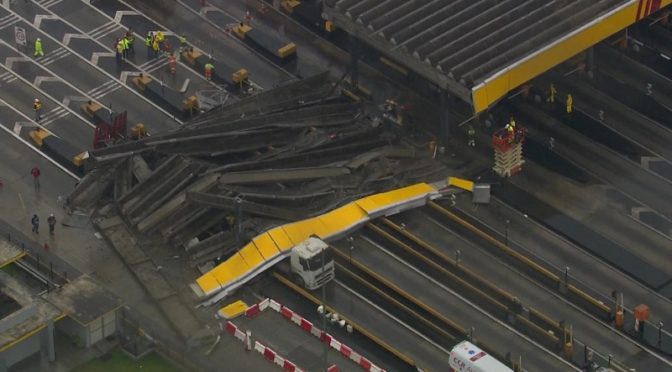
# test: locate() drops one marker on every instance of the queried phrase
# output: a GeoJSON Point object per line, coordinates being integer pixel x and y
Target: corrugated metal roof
{"type": "Point", "coordinates": [460, 43]}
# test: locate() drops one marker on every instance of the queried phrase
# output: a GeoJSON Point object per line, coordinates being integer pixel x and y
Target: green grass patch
{"type": "Point", "coordinates": [118, 361]}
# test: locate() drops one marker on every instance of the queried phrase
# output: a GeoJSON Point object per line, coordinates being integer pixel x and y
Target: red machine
{"type": "Point", "coordinates": [105, 133]}
{"type": "Point", "coordinates": [508, 151]}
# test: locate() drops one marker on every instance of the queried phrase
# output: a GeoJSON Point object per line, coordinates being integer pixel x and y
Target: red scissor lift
{"type": "Point", "coordinates": [106, 134]}
{"type": "Point", "coordinates": [508, 151]}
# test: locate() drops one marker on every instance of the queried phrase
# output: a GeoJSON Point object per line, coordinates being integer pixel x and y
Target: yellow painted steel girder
{"type": "Point", "coordinates": [498, 85]}
{"type": "Point", "coordinates": [268, 245]}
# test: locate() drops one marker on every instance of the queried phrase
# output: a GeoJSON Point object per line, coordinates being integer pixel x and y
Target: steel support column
{"type": "Point", "coordinates": [590, 61]}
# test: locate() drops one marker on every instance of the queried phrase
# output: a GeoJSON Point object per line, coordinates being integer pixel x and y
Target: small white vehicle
{"type": "Point", "coordinates": [310, 264]}
{"type": "Point", "coordinates": [467, 357]}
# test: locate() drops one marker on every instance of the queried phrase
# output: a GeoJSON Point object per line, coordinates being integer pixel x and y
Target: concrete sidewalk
{"type": "Point", "coordinates": [83, 250]}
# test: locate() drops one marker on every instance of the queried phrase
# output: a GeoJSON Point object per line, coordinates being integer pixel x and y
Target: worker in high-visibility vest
{"type": "Point", "coordinates": [124, 46]}
{"type": "Point", "coordinates": [569, 103]}
{"type": "Point", "coordinates": [38, 48]}
{"type": "Point", "coordinates": [149, 40]}
{"type": "Point", "coordinates": [130, 37]}
{"type": "Point", "coordinates": [155, 47]}
{"type": "Point", "coordinates": [161, 38]}
{"type": "Point", "coordinates": [208, 70]}
{"type": "Point", "coordinates": [511, 129]}
{"type": "Point", "coordinates": [551, 94]}
{"type": "Point", "coordinates": [172, 63]}
{"type": "Point", "coordinates": [120, 50]}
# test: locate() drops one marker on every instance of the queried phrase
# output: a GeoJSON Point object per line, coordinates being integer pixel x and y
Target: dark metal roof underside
{"type": "Point", "coordinates": [467, 40]}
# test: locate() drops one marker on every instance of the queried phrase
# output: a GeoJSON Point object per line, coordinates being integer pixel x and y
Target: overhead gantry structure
{"type": "Point", "coordinates": [480, 50]}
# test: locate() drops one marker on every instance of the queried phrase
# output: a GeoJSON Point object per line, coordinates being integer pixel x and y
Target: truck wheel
{"type": "Point", "coordinates": [299, 281]}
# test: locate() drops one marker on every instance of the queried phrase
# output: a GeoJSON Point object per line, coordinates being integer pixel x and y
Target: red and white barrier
{"type": "Point", "coordinates": [254, 310]}
{"type": "Point", "coordinates": [235, 331]}
{"type": "Point", "coordinates": [308, 326]}
{"type": "Point", "coordinates": [257, 308]}
{"type": "Point", "coordinates": [274, 357]}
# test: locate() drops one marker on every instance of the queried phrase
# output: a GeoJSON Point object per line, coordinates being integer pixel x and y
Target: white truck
{"type": "Point", "coordinates": [467, 357]}
{"type": "Point", "coordinates": [310, 264]}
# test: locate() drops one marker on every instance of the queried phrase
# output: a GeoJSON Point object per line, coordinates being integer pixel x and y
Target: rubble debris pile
{"type": "Point", "coordinates": [282, 155]}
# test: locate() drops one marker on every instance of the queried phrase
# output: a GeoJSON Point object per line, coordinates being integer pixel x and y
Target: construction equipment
{"type": "Point", "coordinates": [310, 264]}
{"type": "Point", "coordinates": [166, 96]}
{"type": "Point", "coordinates": [466, 356]}
{"type": "Point", "coordinates": [272, 44]}
{"type": "Point", "coordinates": [222, 73]}
{"type": "Point", "coordinates": [60, 150]}
{"type": "Point", "coordinates": [508, 147]}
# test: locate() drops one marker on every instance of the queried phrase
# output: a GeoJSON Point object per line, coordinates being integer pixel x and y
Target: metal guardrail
{"type": "Point", "coordinates": [48, 265]}
{"type": "Point", "coordinates": [577, 291]}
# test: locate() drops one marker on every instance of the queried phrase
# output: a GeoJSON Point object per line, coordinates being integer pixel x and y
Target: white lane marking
{"type": "Point", "coordinates": [68, 37]}
{"type": "Point", "coordinates": [119, 14]}
{"type": "Point", "coordinates": [97, 55]}
{"type": "Point", "coordinates": [101, 70]}
{"type": "Point", "coordinates": [9, 61]}
{"type": "Point", "coordinates": [32, 147]}
{"type": "Point", "coordinates": [41, 79]}
{"type": "Point", "coordinates": [40, 17]}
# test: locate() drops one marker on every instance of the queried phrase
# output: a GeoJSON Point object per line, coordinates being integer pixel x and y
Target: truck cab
{"type": "Point", "coordinates": [311, 263]}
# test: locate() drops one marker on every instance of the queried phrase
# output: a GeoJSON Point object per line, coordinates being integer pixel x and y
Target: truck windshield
{"type": "Point", "coordinates": [315, 263]}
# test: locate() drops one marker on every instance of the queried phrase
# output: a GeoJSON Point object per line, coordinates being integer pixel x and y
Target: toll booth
{"type": "Point", "coordinates": [60, 150]}
{"type": "Point", "coordinates": [223, 73]}
{"type": "Point", "coordinates": [272, 44]}
{"type": "Point", "coordinates": [508, 151]}
{"type": "Point", "coordinates": [166, 97]}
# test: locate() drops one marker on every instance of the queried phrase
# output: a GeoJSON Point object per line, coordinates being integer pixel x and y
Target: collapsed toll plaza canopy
{"type": "Point", "coordinates": [286, 154]}
{"type": "Point", "coordinates": [479, 50]}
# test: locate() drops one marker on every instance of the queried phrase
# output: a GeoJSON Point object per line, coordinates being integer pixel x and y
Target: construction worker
{"type": "Point", "coordinates": [149, 39]}
{"type": "Point", "coordinates": [35, 172]}
{"type": "Point", "coordinates": [511, 129]}
{"type": "Point", "coordinates": [38, 48]}
{"type": "Point", "coordinates": [155, 47]}
{"type": "Point", "coordinates": [119, 50]}
{"type": "Point", "coordinates": [172, 63]}
{"type": "Point", "coordinates": [167, 47]}
{"type": "Point", "coordinates": [161, 38]}
{"type": "Point", "coordinates": [37, 106]}
{"type": "Point", "coordinates": [35, 221]}
{"type": "Point", "coordinates": [569, 103]}
{"type": "Point", "coordinates": [471, 136]}
{"type": "Point", "coordinates": [208, 70]}
{"type": "Point", "coordinates": [130, 36]}
{"type": "Point", "coordinates": [551, 94]}
{"type": "Point", "coordinates": [124, 45]}
{"type": "Point", "coordinates": [51, 220]}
